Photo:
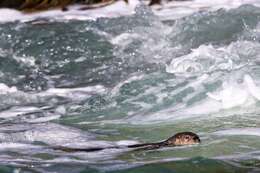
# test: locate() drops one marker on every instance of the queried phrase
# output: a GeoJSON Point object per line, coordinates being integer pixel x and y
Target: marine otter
{"type": "Point", "coordinates": [179, 139]}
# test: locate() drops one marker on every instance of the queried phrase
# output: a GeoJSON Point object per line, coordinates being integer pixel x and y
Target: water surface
{"type": "Point", "coordinates": [133, 78]}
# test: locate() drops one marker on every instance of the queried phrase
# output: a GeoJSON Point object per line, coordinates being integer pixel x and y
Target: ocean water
{"type": "Point", "coordinates": [119, 76]}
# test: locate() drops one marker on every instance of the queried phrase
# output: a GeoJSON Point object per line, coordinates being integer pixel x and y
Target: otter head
{"type": "Point", "coordinates": [183, 138]}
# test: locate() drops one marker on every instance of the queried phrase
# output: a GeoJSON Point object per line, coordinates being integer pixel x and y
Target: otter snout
{"type": "Point", "coordinates": [183, 138]}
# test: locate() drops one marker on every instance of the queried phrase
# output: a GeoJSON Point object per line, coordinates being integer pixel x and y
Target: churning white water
{"type": "Point", "coordinates": [125, 74]}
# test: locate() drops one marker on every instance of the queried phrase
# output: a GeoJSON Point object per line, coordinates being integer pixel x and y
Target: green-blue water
{"type": "Point", "coordinates": [137, 78]}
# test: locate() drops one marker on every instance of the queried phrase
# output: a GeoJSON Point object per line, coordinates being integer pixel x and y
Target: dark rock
{"type": "Point", "coordinates": [11, 3]}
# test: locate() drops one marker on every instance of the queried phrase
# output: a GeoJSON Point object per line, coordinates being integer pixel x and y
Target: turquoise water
{"type": "Point", "coordinates": [137, 78]}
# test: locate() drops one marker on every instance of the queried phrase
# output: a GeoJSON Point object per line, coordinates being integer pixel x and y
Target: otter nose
{"type": "Point", "coordinates": [196, 139]}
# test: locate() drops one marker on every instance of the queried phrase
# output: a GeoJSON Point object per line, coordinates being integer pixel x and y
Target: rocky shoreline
{"type": "Point", "coordinates": [42, 5]}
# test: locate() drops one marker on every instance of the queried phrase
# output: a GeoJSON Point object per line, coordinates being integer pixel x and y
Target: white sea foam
{"type": "Point", "coordinates": [124, 39]}
{"type": "Point", "coordinates": [126, 142]}
{"type": "Point", "coordinates": [175, 9]}
{"type": "Point", "coordinates": [234, 95]}
{"type": "Point", "coordinates": [4, 89]}
{"type": "Point", "coordinates": [231, 96]}
{"type": "Point", "coordinates": [239, 131]}
{"type": "Point", "coordinates": [253, 89]}
{"type": "Point", "coordinates": [49, 133]}
{"type": "Point", "coordinates": [10, 146]}
{"type": "Point", "coordinates": [233, 99]}
{"type": "Point", "coordinates": [15, 111]}
{"type": "Point", "coordinates": [207, 58]}
{"type": "Point", "coordinates": [76, 93]}
{"type": "Point", "coordinates": [14, 102]}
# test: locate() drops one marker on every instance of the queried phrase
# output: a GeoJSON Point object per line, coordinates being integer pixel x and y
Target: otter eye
{"type": "Point", "coordinates": [187, 137]}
